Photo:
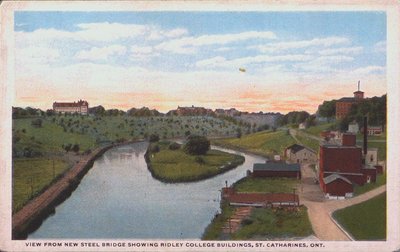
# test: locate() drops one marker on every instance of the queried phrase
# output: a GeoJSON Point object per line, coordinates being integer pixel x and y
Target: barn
{"type": "Point", "coordinates": [337, 186]}
{"type": "Point", "coordinates": [277, 169]}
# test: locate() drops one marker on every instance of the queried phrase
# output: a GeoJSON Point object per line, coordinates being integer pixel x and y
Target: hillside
{"type": "Point", "coordinates": [265, 143]}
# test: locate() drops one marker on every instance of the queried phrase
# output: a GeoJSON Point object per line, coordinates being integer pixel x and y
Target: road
{"type": "Point", "coordinates": [321, 209]}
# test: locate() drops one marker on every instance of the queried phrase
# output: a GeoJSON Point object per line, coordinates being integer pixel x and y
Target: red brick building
{"type": "Point", "coordinates": [341, 164]}
{"type": "Point", "coordinates": [337, 185]}
{"type": "Point", "coordinates": [344, 104]}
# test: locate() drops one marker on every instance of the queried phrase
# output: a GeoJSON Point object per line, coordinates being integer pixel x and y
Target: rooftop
{"type": "Point", "coordinates": [276, 166]}
{"type": "Point", "coordinates": [334, 177]}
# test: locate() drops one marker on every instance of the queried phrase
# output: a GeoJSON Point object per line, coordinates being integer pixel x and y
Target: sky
{"type": "Point", "coordinates": [161, 60]}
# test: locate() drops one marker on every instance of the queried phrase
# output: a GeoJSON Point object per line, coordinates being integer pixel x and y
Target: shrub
{"type": "Point", "coordinates": [154, 148]}
{"type": "Point", "coordinates": [200, 160]}
{"type": "Point", "coordinates": [174, 146]}
{"type": "Point", "coordinates": [197, 145]}
{"type": "Point", "coordinates": [154, 138]}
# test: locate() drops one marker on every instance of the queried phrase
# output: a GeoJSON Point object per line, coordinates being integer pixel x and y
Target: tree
{"type": "Point", "coordinates": [67, 147]}
{"type": "Point", "coordinates": [197, 145]}
{"type": "Point", "coordinates": [327, 109]}
{"type": "Point", "coordinates": [75, 148]}
{"type": "Point", "coordinates": [238, 133]}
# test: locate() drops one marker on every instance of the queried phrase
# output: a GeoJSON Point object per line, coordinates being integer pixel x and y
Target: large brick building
{"type": "Point", "coordinates": [343, 105]}
{"type": "Point", "coordinates": [80, 107]}
{"type": "Point", "coordinates": [343, 165]}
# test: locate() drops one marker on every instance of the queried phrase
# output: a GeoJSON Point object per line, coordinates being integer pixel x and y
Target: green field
{"type": "Point", "coordinates": [31, 176]}
{"type": "Point", "coordinates": [213, 231]}
{"type": "Point", "coordinates": [365, 221]}
{"type": "Point", "coordinates": [178, 166]}
{"type": "Point", "coordinates": [275, 223]}
{"type": "Point", "coordinates": [316, 130]}
{"type": "Point", "coordinates": [264, 143]}
{"type": "Point", "coordinates": [380, 180]}
{"type": "Point", "coordinates": [272, 185]}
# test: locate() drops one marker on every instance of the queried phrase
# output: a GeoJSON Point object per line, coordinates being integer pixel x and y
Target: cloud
{"type": "Point", "coordinates": [369, 70]}
{"type": "Point", "coordinates": [189, 45]}
{"type": "Point", "coordinates": [37, 55]}
{"type": "Point", "coordinates": [283, 46]}
{"type": "Point", "coordinates": [342, 50]}
{"type": "Point", "coordinates": [380, 47]}
{"type": "Point", "coordinates": [102, 53]}
{"type": "Point", "coordinates": [258, 59]}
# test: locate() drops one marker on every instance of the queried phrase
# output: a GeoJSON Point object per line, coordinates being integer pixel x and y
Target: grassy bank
{"type": "Point", "coordinates": [365, 221]}
{"type": "Point", "coordinates": [271, 185]}
{"type": "Point", "coordinates": [177, 166]}
{"type": "Point", "coordinates": [263, 223]}
{"type": "Point", "coordinates": [316, 130]}
{"type": "Point", "coordinates": [32, 176]}
{"type": "Point", "coordinates": [266, 224]}
{"type": "Point", "coordinates": [265, 143]}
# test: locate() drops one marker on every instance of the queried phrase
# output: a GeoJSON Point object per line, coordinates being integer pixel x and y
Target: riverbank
{"type": "Point", "coordinates": [175, 166]}
{"type": "Point", "coordinates": [260, 223]}
{"type": "Point", "coordinates": [30, 217]}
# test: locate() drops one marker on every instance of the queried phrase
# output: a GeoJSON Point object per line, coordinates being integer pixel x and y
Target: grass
{"type": "Point", "coordinates": [270, 185]}
{"type": "Point", "coordinates": [275, 223]}
{"type": "Point", "coordinates": [178, 166]}
{"type": "Point", "coordinates": [316, 130]}
{"type": "Point", "coordinates": [381, 149]}
{"type": "Point", "coordinates": [365, 221]}
{"type": "Point", "coordinates": [213, 231]}
{"type": "Point", "coordinates": [380, 180]}
{"type": "Point", "coordinates": [31, 176]}
{"type": "Point", "coordinates": [308, 142]}
{"type": "Point", "coordinates": [263, 142]}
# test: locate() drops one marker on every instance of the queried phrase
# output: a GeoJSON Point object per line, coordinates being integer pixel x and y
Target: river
{"type": "Point", "coordinates": [118, 198]}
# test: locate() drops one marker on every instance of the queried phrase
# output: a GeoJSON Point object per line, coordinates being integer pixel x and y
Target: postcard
{"type": "Point", "coordinates": [199, 125]}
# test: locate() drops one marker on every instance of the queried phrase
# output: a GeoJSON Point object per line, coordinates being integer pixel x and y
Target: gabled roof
{"type": "Point", "coordinates": [294, 148]}
{"type": "Point", "coordinates": [276, 166]}
{"type": "Point", "coordinates": [334, 177]}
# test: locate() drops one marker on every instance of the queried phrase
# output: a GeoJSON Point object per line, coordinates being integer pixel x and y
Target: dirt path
{"type": "Point", "coordinates": [321, 209]}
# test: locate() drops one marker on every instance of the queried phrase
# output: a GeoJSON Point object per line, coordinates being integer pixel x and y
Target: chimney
{"type": "Point", "coordinates": [365, 135]}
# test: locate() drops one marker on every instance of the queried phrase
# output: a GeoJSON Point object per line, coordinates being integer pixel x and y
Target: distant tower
{"type": "Point", "coordinates": [358, 95]}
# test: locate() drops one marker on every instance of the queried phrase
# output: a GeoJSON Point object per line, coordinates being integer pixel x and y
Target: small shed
{"type": "Point", "coordinates": [299, 154]}
{"type": "Point", "coordinates": [277, 169]}
{"type": "Point", "coordinates": [337, 185]}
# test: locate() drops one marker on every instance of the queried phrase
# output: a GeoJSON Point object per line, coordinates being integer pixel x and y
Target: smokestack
{"type": "Point", "coordinates": [365, 135]}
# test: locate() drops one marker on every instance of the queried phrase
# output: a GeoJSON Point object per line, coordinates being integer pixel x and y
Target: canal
{"type": "Point", "coordinates": [118, 198]}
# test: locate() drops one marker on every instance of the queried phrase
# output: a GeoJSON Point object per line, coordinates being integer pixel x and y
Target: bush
{"type": "Point", "coordinates": [174, 146]}
{"type": "Point", "coordinates": [154, 138]}
{"type": "Point", "coordinates": [200, 160]}
{"type": "Point", "coordinates": [197, 145]}
{"type": "Point", "coordinates": [154, 148]}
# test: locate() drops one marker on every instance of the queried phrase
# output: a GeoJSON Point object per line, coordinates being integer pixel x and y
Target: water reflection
{"type": "Point", "coordinates": [119, 198]}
